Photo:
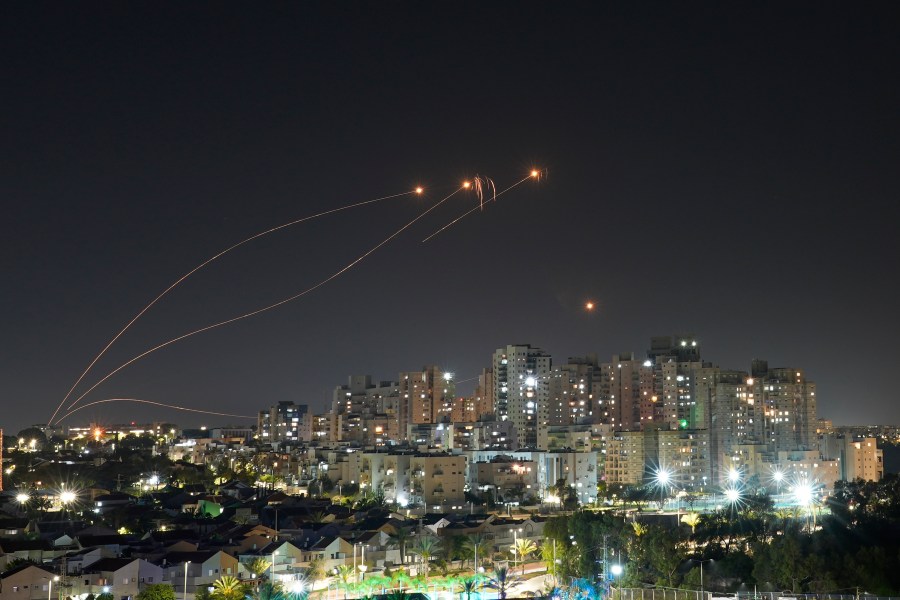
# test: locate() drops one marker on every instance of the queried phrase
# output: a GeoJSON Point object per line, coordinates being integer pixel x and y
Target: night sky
{"type": "Point", "coordinates": [727, 169]}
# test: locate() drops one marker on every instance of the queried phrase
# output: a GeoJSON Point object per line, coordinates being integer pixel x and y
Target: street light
{"type": "Point", "coordinates": [50, 586]}
{"type": "Point", "coordinates": [701, 569]}
{"type": "Point", "coordinates": [184, 591]}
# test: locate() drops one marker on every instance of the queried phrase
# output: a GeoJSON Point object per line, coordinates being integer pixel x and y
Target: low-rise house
{"type": "Point", "coordinates": [202, 570]}
{"type": "Point", "coordinates": [124, 578]}
{"type": "Point", "coordinates": [26, 582]}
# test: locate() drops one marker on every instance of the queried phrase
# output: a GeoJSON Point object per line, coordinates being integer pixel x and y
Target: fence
{"type": "Point", "coordinates": [673, 594]}
{"type": "Point", "coordinates": [791, 596]}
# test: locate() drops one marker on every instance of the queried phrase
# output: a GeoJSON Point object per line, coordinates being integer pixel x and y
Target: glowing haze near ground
{"type": "Point", "coordinates": [729, 171]}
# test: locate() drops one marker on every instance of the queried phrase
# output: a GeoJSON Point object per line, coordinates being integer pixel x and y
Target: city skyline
{"type": "Point", "coordinates": [541, 387]}
{"type": "Point", "coordinates": [727, 171]}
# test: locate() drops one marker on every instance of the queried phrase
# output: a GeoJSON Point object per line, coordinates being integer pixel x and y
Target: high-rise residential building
{"type": "Point", "coordinates": [570, 398]}
{"type": "Point", "coordinates": [366, 411]}
{"type": "Point", "coordinates": [521, 391]}
{"type": "Point", "coordinates": [675, 360]}
{"type": "Point", "coordinates": [788, 402]}
{"type": "Point", "coordinates": [430, 393]}
{"type": "Point", "coordinates": [463, 410]}
{"type": "Point", "coordinates": [285, 422]}
{"type": "Point", "coordinates": [735, 417]}
{"type": "Point", "coordinates": [624, 393]}
{"type": "Point", "coordinates": [484, 395]}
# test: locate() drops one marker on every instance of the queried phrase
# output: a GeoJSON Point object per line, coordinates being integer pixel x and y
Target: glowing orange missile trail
{"type": "Point", "coordinates": [271, 306]}
{"type": "Point", "coordinates": [418, 190]}
{"type": "Point", "coordinates": [469, 212]}
{"type": "Point", "coordinates": [142, 401]}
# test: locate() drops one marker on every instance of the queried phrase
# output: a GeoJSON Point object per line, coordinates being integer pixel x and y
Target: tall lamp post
{"type": "Point", "coordinates": [184, 590]}
{"type": "Point", "coordinates": [50, 586]}
{"type": "Point", "coordinates": [700, 562]}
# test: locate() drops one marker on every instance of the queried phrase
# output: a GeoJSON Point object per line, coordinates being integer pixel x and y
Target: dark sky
{"type": "Point", "coordinates": [729, 169]}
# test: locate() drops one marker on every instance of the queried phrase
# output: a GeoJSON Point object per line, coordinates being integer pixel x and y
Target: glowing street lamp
{"type": "Point", "coordinates": [734, 475]}
{"type": "Point", "coordinates": [663, 477]}
{"type": "Point", "coordinates": [803, 493]}
{"type": "Point", "coordinates": [50, 586]}
{"type": "Point", "coordinates": [733, 495]}
{"type": "Point", "coordinates": [778, 477]}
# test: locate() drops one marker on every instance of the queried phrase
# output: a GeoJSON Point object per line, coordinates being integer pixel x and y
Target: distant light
{"type": "Point", "coordinates": [648, 363]}
{"type": "Point", "coordinates": [22, 498]}
{"type": "Point", "coordinates": [734, 475]}
{"type": "Point", "coordinates": [67, 496]}
{"type": "Point", "coordinates": [467, 184]}
{"type": "Point", "coordinates": [448, 376]}
{"type": "Point", "coordinates": [534, 173]}
{"type": "Point", "coordinates": [683, 343]}
{"type": "Point", "coordinates": [777, 475]}
{"type": "Point", "coordinates": [750, 381]}
{"type": "Point", "coordinates": [732, 495]}
{"type": "Point", "coordinates": [530, 381]}
{"type": "Point", "coordinates": [616, 570]}
{"type": "Point", "coordinates": [419, 190]}
{"type": "Point", "coordinates": [589, 305]}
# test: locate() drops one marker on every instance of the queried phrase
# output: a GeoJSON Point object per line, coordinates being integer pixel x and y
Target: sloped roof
{"type": "Point", "coordinates": [108, 564]}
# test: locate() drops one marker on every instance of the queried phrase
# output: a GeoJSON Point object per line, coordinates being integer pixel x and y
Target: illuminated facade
{"type": "Point", "coordinates": [521, 391]}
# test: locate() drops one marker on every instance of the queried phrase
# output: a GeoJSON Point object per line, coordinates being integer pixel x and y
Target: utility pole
{"type": "Point", "coordinates": [605, 563]}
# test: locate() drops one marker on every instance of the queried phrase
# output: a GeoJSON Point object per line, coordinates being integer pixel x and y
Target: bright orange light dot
{"type": "Point", "coordinates": [534, 173]}
{"type": "Point", "coordinates": [589, 305]}
{"type": "Point", "coordinates": [467, 185]}
{"type": "Point", "coordinates": [419, 190]}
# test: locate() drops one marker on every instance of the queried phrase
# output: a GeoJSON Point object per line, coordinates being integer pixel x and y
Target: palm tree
{"type": "Point", "coordinates": [399, 540]}
{"type": "Point", "coordinates": [522, 548]}
{"type": "Point", "coordinates": [502, 581]}
{"type": "Point", "coordinates": [692, 519]}
{"type": "Point", "coordinates": [228, 588]}
{"type": "Point", "coordinates": [469, 587]}
{"type": "Point", "coordinates": [345, 577]}
{"type": "Point", "coordinates": [259, 566]}
{"type": "Point", "coordinates": [426, 547]}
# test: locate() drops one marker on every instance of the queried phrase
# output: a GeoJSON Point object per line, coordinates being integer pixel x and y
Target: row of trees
{"type": "Point", "coordinates": [852, 542]}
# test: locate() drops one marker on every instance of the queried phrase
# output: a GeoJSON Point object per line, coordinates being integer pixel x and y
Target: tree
{"type": "Point", "coordinates": [502, 581]}
{"type": "Point", "coordinates": [426, 546]}
{"type": "Point", "coordinates": [316, 570]}
{"type": "Point", "coordinates": [469, 587]}
{"type": "Point", "coordinates": [345, 576]}
{"type": "Point", "coordinates": [267, 591]}
{"type": "Point", "coordinates": [157, 591]}
{"type": "Point", "coordinates": [522, 548]}
{"type": "Point", "coordinates": [691, 519]}
{"type": "Point", "coordinates": [400, 539]}
{"type": "Point", "coordinates": [228, 588]}
{"type": "Point", "coordinates": [259, 566]}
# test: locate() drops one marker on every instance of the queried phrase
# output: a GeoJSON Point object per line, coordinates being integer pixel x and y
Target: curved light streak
{"type": "Point", "coordinates": [153, 402]}
{"type": "Point", "coordinates": [200, 266]}
{"type": "Point", "coordinates": [270, 306]}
